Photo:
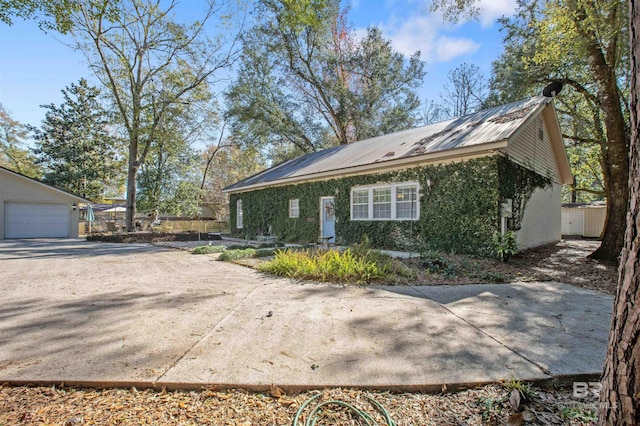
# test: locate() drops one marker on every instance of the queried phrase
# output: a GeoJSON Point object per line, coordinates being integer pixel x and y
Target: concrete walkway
{"type": "Point", "coordinates": [119, 315]}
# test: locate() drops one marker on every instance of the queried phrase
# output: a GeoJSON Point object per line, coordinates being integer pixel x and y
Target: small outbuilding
{"type": "Point", "coordinates": [584, 219]}
{"type": "Point", "coordinates": [32, 209]}
{"type": "Point", "coordinates": [450, 186]}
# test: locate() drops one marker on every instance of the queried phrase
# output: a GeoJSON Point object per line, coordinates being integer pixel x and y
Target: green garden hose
{"type": "Point", "coordinates": [313, 418]}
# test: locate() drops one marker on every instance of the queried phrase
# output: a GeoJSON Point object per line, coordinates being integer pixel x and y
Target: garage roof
{"type": "Point", "coordinates": [36, 181]}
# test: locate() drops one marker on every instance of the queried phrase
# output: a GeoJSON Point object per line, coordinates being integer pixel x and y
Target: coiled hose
{"type": "Point", "coordinates": [313, 418]}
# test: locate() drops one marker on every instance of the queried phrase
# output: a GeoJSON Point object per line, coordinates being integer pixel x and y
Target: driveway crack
{"type": "Point", "coordinates": [204, 335]}
{"type": "Point", "coordinates": [543, 369]}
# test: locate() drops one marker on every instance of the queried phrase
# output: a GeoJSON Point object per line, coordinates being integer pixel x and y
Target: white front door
{"type": "Point", "coordinates": [328, 218]}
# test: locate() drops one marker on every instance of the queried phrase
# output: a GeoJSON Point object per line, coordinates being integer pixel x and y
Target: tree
{"type": "Point", "coordinates": [227, 163]}
{"type": "Point", "coordinates": [53, 14]}
{"type": "Point", "coordinates": [465, 92]}
{"type": "Point", "coordinates": [621, 375]}
{"type": "Point", "coordinates": [171, 167]}
{"type": "Point", "coordinates": [149, 64]}
{"type": "Point", "coordinates": [13, 154]}
{"type": "Point", "coordinates": [619, 397]}
{"type": "Point", "coordinates": [75, 146]}
{"type": "Point", "coordinates": [583, 44]}
{"type": "Point", "coordinates": [306, 82]}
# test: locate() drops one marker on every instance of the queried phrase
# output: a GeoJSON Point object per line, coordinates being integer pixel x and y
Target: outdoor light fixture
{"type": "Point", "coordinates": [74, 206]}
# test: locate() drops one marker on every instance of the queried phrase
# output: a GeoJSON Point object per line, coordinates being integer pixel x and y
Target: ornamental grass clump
{"type": "Point", "coordinates": [329, 266]}
{"type": "Point", "coordinates": [231, 255]}
{"type": "Point", "coordinates": [208, 249]}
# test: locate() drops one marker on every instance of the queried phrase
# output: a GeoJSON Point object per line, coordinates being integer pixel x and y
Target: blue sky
{"type": "Point", "coordinates": [35, 66]}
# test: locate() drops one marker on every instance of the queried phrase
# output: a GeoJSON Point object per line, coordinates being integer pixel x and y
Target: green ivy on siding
{"type": "Point", "coordinates": [518, 184]}
{"type": "Point", "coordinates": [459, 207]}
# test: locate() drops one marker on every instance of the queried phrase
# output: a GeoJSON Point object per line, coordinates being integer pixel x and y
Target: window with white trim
{"type": "Point", "coordinates": [360, 204]}
{"type": "Point", "coordinates": [397, 201]}
{"type": "Point", "coordinates": [407, 202]}
{"type": "Point", "coordinates": [239, 214]}
{"type": "Point", "coordinates": [382, 203]}
{"type": "Point", "coordinates": [294, 208]}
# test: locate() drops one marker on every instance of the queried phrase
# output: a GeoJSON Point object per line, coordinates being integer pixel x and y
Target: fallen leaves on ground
{"type": "Point", "coordinates": [486, 405]}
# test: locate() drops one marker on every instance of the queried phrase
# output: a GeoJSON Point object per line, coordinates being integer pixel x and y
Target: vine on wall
{"type": "Point", "coordinates": [518, 184]}
{"type": "Point", "coordinates": [459, 207]}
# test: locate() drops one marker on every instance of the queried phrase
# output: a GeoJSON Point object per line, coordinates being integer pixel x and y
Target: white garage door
{"type": "Point", "coordinates": [36, 220]}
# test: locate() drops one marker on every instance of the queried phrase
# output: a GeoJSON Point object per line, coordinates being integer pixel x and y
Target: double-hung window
{"type": "Point", "coordinates": [294, 208]}
{"type": "Point", "coordinates": [382, 203]}
{"type": "Point", "coordinates": [398, 201]}
{"type": "Point", "coordinates": [360, 204]}
{"type": "Point", "coordinates": [239, 214]}
{"type": "Point", "coordinates": [407, 202]}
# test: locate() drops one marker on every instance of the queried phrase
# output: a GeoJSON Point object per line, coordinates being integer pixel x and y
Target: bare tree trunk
{"type": "Point", "coordinates": [620, 395]}
{"type": "Point", "coordinates": [131, 187]}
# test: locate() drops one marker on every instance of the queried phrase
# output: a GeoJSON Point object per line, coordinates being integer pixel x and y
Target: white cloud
{"type": "Point", "coordinates": [424, 33]}
{"type": "Point", "coordinates": [490, 10]}
{"type": "Point", "coordinates": [449, 48]}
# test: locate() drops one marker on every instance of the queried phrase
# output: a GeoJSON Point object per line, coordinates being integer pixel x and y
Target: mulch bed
{"type": "Point", "coordinates": [488, 405]}
{"type": "Point", "coordinates": [153, 237]}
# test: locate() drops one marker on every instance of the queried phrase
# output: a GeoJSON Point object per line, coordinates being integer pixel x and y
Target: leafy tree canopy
{"type": "Point", "coordinates": [306, 82]}
{"type": "Point", "coordinates": [75, 146]}
{"type": "Point", "coordinates": [14, 154]}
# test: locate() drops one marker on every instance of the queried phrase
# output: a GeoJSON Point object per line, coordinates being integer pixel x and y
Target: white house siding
{"type": "Point", "coordinates": [18, 189]}
{"type": "Point", "coordinates": [541, 223]}
{"type": "Point", "coordinates": [528, 150]}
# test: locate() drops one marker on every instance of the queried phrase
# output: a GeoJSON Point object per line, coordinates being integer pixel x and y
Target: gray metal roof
{"type": "Point", "coordinates": [474, 130]}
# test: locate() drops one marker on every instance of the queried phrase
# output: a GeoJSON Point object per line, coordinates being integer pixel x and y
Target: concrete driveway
{"type": "Point", "coordinates": [118, 315]}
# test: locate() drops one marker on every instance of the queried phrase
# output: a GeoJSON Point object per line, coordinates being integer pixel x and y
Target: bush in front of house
{"type": "Point", "coordinates": [331, 265]}
{"type": "Point", "coordinates": [208, 249]}
{"type": "Point", "coordinates": [231, 255]}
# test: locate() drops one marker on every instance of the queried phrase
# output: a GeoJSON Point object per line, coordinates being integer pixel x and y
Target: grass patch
{"type": "Point", "coordinates": [208, 249]}
{"type": "Point", "coordinates": [526, 389]}
{"type": "Point", "coordinates": [331, 265]}
{"type": "Point", "coordinates": [230, 255]}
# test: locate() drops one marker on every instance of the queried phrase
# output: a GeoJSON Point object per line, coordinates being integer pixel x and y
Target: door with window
{"type": "Point", "coordinates": [328, 218]}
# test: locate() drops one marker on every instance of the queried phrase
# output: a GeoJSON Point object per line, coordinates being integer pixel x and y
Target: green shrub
{"type": "Point", "coordinates": [265, 252]}
{"type": "Point", "coordinates": [331, 265]}
{"type": "Point", "coordinates": [208, 249]}
{"type": "Point", "coordinates": [239, 247]}
{"type": "Point", "coordinates": [505, 245]}
{"type": "Point", "coordinates": [237, 254]}
{"type": "Point", "coordinates": [437, 264]}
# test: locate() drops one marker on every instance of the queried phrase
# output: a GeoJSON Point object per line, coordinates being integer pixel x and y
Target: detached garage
{"type": "Point", "coordinates": [32, 209]}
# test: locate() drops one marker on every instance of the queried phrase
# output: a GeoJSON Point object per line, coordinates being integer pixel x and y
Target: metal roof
{"type": "Point", "coordinates": [421, 143]}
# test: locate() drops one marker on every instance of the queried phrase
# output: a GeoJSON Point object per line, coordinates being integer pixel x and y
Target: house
{"type": "Point", "coordinates": [584, 219]}
{"type": "Point", "coordinates": [448, 186]}
{"type": "Point", "coordinates": [32, 209]}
